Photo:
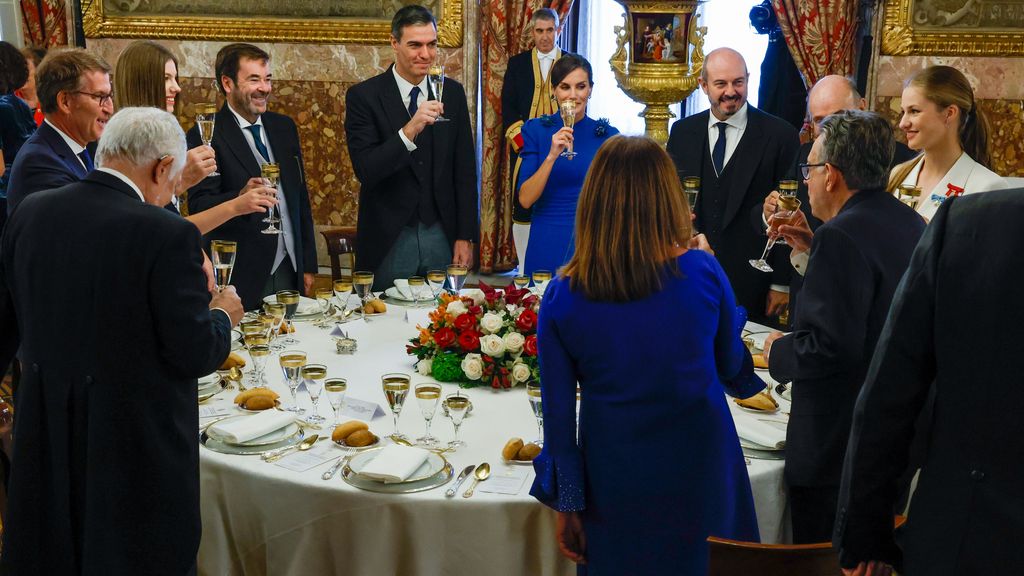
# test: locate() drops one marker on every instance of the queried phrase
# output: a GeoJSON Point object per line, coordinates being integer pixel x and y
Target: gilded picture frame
{"type": "Point", "coordinates": [953, 28]}
{"type": "Point", "coordinates": [181, 20]}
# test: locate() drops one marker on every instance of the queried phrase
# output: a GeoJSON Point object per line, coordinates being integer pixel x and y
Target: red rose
{"type": "Point", "coordinates": [476, 310]}
{"type": "Point", "coordinates": [465, 322]}
{"type": "Point", "coordinates": [444, 337]}
{"type": "Point", "coordinates": [527, 320]}
{"type": "Point", "coordinates": [469, 340]}
{"type": "Point", "coordinates": [530, 346]}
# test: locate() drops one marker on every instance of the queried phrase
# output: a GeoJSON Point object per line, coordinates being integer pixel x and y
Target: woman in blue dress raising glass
{"type": "Point", "coordinates": [651, 333]}
{"type": "Point", "coordinates": [550, 182]}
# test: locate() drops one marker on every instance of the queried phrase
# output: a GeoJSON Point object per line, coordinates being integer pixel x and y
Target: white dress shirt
{"type": "Point", "coordinates": [286, 239]}
{"type": "Point", "coordinates": [737, 123]}
{"type": "Point", "coordinates": [546, 61]}
{"type": "Point", "coordinates": [76, 148]}
{"type": "Point", "coordinates": [405, 88]}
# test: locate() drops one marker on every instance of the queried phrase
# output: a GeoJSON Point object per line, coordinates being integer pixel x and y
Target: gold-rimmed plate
{"type": "Point", "coordinates": [275, 437]}
{"type": "Point", "coordinates": [518, 462]}
{"type": "Point", "coordinates": [433, 465]}
{"type": "Point", "coordinates": [435, 481]}
{"type": "Point", "coordinates": [375, 443]}
{"type": "Point", "coordinates": [225, 448]}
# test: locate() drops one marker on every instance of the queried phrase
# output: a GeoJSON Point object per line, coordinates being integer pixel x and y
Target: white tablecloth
{"type": "Point", "coordinates": [259, 518]}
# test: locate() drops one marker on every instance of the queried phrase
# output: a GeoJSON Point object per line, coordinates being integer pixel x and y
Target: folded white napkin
{"type": "Point", "coordinates": [403, 288]}
{"type": "Point", "coordinates": [395, 463]}
{"type": "Point", "coordinates": [307, 306]}
{"type": "Point", "coordinates": [238, 430]}
{"type": "Point", "coordinates": [760, 432]}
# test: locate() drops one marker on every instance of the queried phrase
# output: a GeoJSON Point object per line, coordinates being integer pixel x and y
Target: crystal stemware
{"type": "Point", "coordinates": [533, 394]}
{"type": "Point", "coordinates": [314, 375]}
{"type": "Point", "coordinates": [206, 116]}
{"type": "Point", "coordinates": [568, 110]}
{"type": "Point", "coordinates": [456, 407]}
{"type": "Point", "coordinates": [362, 281]}
{"type": "Point", "coordinates": [428, 395]}
{"type": "Point", "coordinates": [271, 173]}
{"type": "Point", "coordinates": [457, 274]}
{"type": "Point", "coordinates": [435, 278]}
{"type": "Point", "coordinates": [292, 362]}
{"type": "Point", "coordinates": [416, 285]}
{"type": "Point", "coordinates": [396, 388]}
{"type": "Point", "coordinates": [222, 253]}
{"type": "Point", "coordinates": [435, 75]}
{"type": "Point", "coordinates": [540, 280]}
{"type": "Point", "coordinates": [336, 389]}
{"type": "Point", "coordinates": [290, 299]}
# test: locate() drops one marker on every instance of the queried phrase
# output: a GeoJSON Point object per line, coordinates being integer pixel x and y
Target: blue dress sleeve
{"type": "Point", "coordinates": [732, 359]}
{"type": "Point", "coordinates": [559, 467]}
{"type": "Point", "coordinates": [532, 154]}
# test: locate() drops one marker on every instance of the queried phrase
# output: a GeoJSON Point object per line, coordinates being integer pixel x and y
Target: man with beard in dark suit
{"type": "Point", "coordinates": [857, 258]}
{"type": "Point", "coordinates": [739, 153]}
{"type": "Point", "coordinates": [103, 291]}
{"type": "Point", "coordinates": [417, 175]}
{"type": "Point", "coordinates": [246, 136]}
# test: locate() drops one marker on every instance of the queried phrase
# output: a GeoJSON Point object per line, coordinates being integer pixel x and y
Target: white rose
{"type": "Point", "coordinates": [476, 294]}
{"type": "Point", "coordinates": [520, 372]}
{"type": "Point", "coordinates": [424, 366]}
{"type": "Point", "coordinates": [491, 323]}
{"type": "Point", "coordinates": [492, 345]}
{"type": "Point", "coordinates": [473, 366]}
{"type": "Point", "coordinates": [514, 342]}
{"type": "Point", "coordinates": [456, 307]}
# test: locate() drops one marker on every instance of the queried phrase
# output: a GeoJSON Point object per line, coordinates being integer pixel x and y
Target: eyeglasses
{"type": "Point", "coordinates": [101, 98]}
{"type": "Point", "coordinates": [805, 169]}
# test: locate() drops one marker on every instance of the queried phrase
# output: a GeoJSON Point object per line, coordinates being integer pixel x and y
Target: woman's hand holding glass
{"type": "Point", "coordinates": [561, 141]}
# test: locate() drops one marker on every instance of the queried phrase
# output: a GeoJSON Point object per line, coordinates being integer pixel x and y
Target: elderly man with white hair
{"type": "Point", "coordinates": [103, 296]}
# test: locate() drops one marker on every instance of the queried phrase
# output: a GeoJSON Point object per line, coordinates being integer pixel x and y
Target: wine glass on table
{"type": "Point", "coordinates": [521, 282]}
{"type": "Point", "coordinates": [533, 394]}
{"type": "Point", "coordinates": [336, 389]}
{"type": "Point", "coordinates": [223, 255]}
{"type": "Point", "coordinates": [362, 282]}
{"type": "Point", "coordinates": [540, 280]}
{"type": "Point", "coordinates": [291, 362]}
{"type": "Point", "coordinates": [271, 173]}
{"type": "Point", "coordinates": [435, 75]}
{"type": "Point", "coordinates": [787, 201]}
{"type": "Point", "coordinates": [428, 395]}
{"type": "Point", "coordinates": [323, 300]}
{"type": "Point", "coordinates": [253, 333]}
{"type": "Point", "coordinates": [416, 285]}
{"type": "Point", "coordinates": [457, 275]}
{"type": "Point", "coordinates": [314, 375]}
{"type": "Point", "coordinates": [259, 353]}
{"type": "Point", "coordinates": [568, 110]}
{"type": "Point", "coordinates": [206, 115]}
{"type": "Point", "coordinates": [435, 278]}
{"type": "Point", "coordinates": [342, 292]}
{"type": "Point", "coordinates": [457, 406]}
{"type": "Point", "coordinates": [396, 388]}
{"type": "Point", "coordinates": [290, 299]}
{"type": "Point", "coordinates": [275, 310]}
{"type": "Point", "coordinates": [778, 219]}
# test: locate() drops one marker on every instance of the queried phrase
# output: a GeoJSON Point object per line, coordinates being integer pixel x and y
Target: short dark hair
{"type": "Point", "coordinates": [228, 58]}
{"type": "Point", "coordinates": [62, 71]}
{"type": "Point", "coordinates": [13, 68]}
{"type": "Point", "coordinates": [546, 14]}
{"type": "Point", "coordinates": [411, 15]}
{"type": "Point", "coordinates": [860, 144]}
{"type": "Point", "coordinates": [566, 64]}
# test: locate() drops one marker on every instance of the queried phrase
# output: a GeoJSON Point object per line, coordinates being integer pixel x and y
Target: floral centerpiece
{"type": "Point", "coordinates": [485, 337]}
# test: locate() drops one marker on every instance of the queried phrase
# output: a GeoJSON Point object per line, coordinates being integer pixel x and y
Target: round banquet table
{"type": "Point", "coordinates": [260, 518]}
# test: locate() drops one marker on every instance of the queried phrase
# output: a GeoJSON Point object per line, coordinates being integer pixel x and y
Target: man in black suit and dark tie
{"type": "Point", "coordinates": [75, 94]}
{"type": "Point", "coordinates": [857, 258]}
{"type": "Point", "coordinates": [103, 296]}
{"type": "Point", "coordinates": [739, 153]}
{"type": "Point", "coordinates": [526, 94]}
{"type": "Point", "coordinates": [954, 326]}
{"type": "Point", "coordinates": [418, 188]}
{"type": "Point", "coordinates": [245, 136]}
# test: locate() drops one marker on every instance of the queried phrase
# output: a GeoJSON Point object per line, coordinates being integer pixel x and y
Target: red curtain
{"type": "Point", "coordinates": [504, 34]}
{"type": "Point", "coordinates": [44, 22]}
{"type": "Point", "coordinates": [820, 34]}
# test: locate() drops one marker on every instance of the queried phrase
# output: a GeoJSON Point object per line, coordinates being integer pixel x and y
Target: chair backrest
{"type": "Point", "coordinates": [736, 558]}
{"type": "Point", "coordinates": [341, 244]}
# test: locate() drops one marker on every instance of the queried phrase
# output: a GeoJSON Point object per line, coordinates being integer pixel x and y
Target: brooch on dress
{"type": "Point", "coordinates": [602, 127]}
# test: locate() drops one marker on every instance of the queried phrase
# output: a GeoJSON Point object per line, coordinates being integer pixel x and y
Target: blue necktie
{"type": "Point", "coordinates": [255, 129]}
{"type": "Point", "coordinates": [718, 154]}
{"type": "Point", "coordinates": [414, 100]}
{"type": "Point", "coordinates": [86, 160]}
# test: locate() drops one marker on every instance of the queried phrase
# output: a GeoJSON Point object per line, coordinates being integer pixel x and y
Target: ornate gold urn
{"type": "Point", "coordinates": [659, 57]}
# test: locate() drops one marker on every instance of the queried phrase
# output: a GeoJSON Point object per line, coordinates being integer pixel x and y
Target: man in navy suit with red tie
{"type": "Point", "coordinates": [77, 100]}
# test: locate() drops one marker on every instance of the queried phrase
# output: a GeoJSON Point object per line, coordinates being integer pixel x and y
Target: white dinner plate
{"type": "Point", "coordinates": [279, 435]}
{"type": "Point", "coordinates": [435, 463]}
{"type": "Point", "coordinates": [307, 306]}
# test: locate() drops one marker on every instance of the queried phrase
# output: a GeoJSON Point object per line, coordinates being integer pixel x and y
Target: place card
{"type": "Point", "coordinates": [362, 409]}
{"type": "Point", "coordinates": [505, 480]}
{"type": "Point", "coordinates": [418, 316]}
{"type": "Point", "coordinates": [211, 411]}
{"type": "Point", "coordinates": [324, 451]}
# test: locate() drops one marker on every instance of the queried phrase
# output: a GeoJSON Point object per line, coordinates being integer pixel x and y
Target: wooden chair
{"type": "Point", "coordinates": [341, 243]}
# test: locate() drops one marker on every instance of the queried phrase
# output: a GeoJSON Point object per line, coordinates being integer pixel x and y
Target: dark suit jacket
{"type": "Point", "coordinates": [856, 261]}
{"type": "Point", "coordinates": [761, 159]}
{"type": "Point", "coordinates": [237, 164]}
{"type": "Point", "coordinates": [389, 187]}
{"type": "Point", "coordinates": [955, 321]}
{"type": "Point", "coordinates": [517, 91]}
{"type": "Point", "coordinates": [107, 299]}
{"type": "Point", "coordinates": [45, 162]}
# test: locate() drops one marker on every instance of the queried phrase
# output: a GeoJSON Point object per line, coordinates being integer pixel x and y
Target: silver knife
{"type": "Point", "coordinates": [458, 481]}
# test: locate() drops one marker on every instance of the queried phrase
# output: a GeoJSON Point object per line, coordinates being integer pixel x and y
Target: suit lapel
{"type": "Point", "coordinates": [61, 149]}
{"type": "Point", "coordinates": [744, 162]}
{"type": "Point", "coordinates": [396, 112]}
{"type": "Point", "coordinates": [230, 133]}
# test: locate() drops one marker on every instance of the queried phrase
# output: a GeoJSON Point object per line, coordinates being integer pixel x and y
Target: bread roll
{"type": "Point", "coordinates": [512, 448]}
{"type": "Point", "coordinates": [261, 402]}
{"type": "Point", "coordinates": [379, 306]}
{"type": "Point", "coordinates": [242, 398]}
{"type": "Point", "coordinates": [758, 402]}
{"type": "Point", "coordinates": [528, 452]}
{"type": "Point", "coordinates": [232, 361]}
{"type": "Point", "coordinates": [342, 431]}
{"type": "Point", "coordinates": [360, 438]}
{"type": "Point", "coordinates": [759, 361]}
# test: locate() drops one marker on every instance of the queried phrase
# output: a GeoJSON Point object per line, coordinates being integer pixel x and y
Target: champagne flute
{"type": "Point", "coordinates": [363, 284]}
{"type": "Point", "coordinates": [313, 375]}
{"type": "Point", "coordinates": [342, 291]}
{"type": "Point", "coordinates": [457, 277]}
{"type": "Point", "coordinates": [253, 333]}
{"type": "Point", "coordinates": [206, 115]}
{"type": "Point", "coordinates": [691, 187]}
{"type": "Point", "coordinates": [275, 310]}
{"type": "Point", "coordinates": [290, 299]}
{"type": "Point", "coordinates": [568, 110]}
{"type": "Point", "coordinates": [396, 387]}
{"type": "Point", "coordinates": [428, 396]}
{"type": "Point", "coordinates": [435, 76]}
{"type": "Point", "coordinates": [336, 389]}
{"type": "Point", "coordinates": [292, 362]}
{"type": "Point", "coordinates": [778, 219]}
{"type": "Point", "coordinates": [457, 406]}
{"type": "Point", "coordinates": [533, 394]}
{"type": "Point", "coordinates": [323, 299]}
{"type": "Point", "coordinates": [223, 256]}
{"type": "Point", "coordinates": [416, 284]}
{"type": "Point", "coordinates": [521, 282]}
{"type": "Point", "coordinates": [787, 201]}
{"type": "Point", "coordinates": [259, 354]}
{"type": "Point", "coordinates": [271, 172]}
{"type": "Point", "coordinates": [540, 280]}
{"type": "Point", "coordinates": [435, 278]}
{"type": "Point", "coordinates": [910, 195]}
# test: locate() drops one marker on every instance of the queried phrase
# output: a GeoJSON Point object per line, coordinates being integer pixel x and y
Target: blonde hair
{"type": "Point", "coordinates": [139, 75]}
{"type": "Point", "coordinates": [946, 86]}
{"type": "Point", "coordinates": [630, 220]}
